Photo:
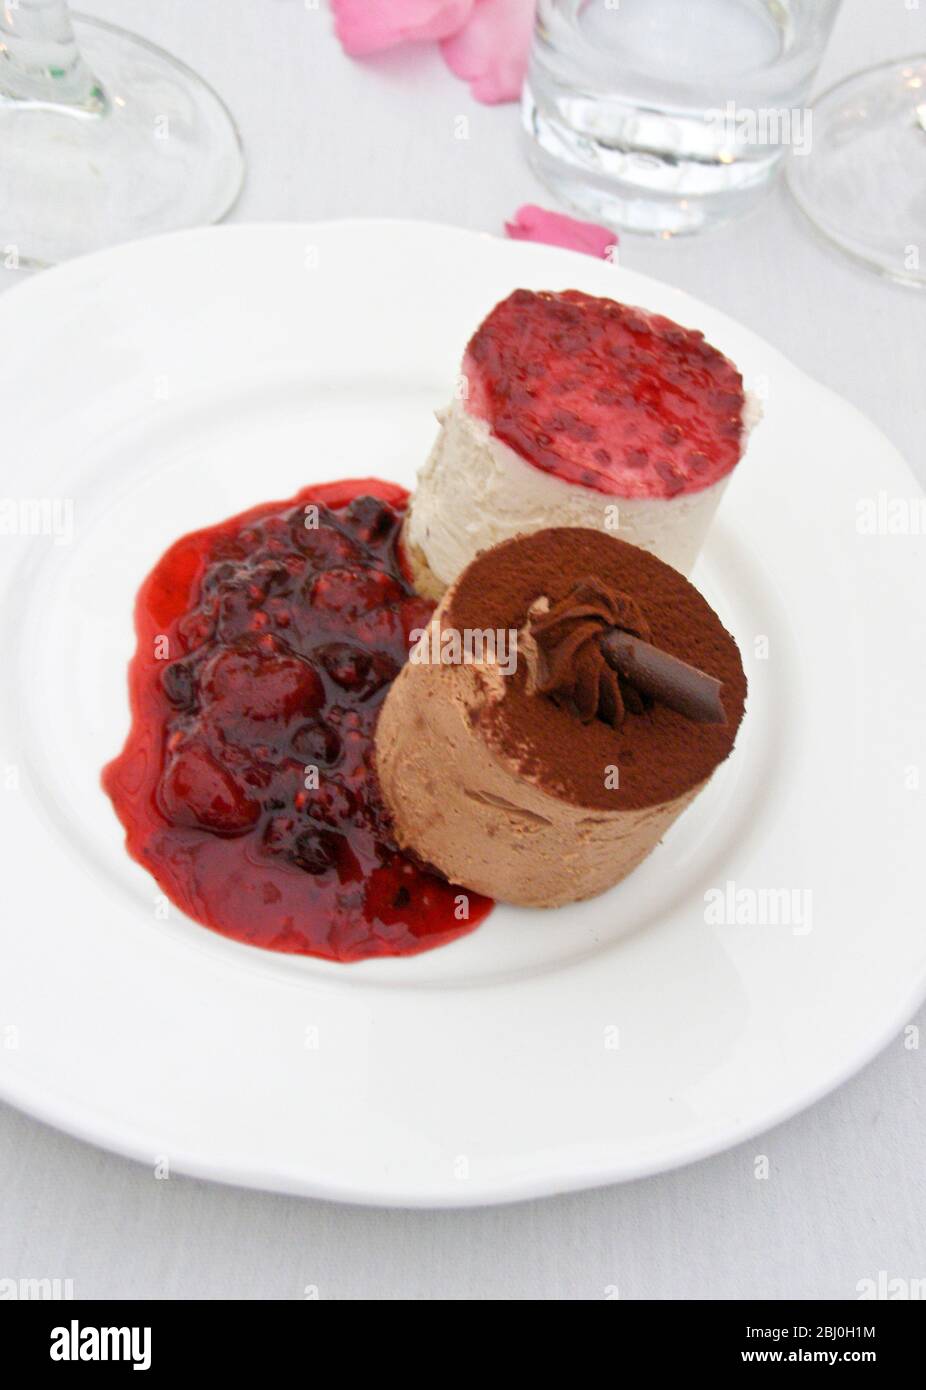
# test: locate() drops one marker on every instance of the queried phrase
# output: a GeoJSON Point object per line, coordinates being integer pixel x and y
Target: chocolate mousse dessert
{"type": "Point", "coordinates": [569, 700]}
{"type": "Point", "coordinates": [575, 410]}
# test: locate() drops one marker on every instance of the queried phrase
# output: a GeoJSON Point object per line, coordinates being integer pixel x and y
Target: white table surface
{"type": "Point", "coordinates": [846, 1192]}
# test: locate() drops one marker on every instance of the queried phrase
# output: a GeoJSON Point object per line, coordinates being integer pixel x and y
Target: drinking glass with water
{"type": "Point", "coordinates": [669, 116]}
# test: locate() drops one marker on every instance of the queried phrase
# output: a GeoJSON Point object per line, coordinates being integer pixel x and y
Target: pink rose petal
{"type": "Point", "coordinates": [556, 229]}
{"type": "Point", "coordinates": [490, 52]}
{"type": "Point", "coordinates": [368, 26]}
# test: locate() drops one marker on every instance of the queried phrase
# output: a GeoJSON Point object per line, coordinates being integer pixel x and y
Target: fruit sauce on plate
{"type": "Point", "coordinates": [246, 786]}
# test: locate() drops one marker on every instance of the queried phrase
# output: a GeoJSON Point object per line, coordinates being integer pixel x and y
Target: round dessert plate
{"type": "Point", "coordinates": [769, 946]}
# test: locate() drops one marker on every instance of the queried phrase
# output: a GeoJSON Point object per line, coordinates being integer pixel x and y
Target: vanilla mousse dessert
{"type": "Point", "coordinates": [569, 700]}
{"type": "Point", "coordinates": [578, 411]}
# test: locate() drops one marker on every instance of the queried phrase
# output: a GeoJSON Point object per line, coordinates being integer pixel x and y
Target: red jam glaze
{"type": "Point", "coordinates": [606, 395]}
{"type": "Point", "coordinates": [282, 639]}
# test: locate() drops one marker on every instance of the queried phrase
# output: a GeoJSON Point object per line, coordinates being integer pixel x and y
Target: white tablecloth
{"type": "Point", "coordinates": [846, 1195]}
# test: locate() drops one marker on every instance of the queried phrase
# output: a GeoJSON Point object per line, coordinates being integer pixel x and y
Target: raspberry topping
{"type": "Point", "coordinates": [606, 395]}
{"type": "Point", "coordinates": [266, 646]}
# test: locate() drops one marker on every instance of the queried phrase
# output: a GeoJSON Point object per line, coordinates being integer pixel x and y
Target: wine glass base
{"type": "Point", "coordinates": [862, 183]}
{"type": "Point", "coordinates": [164, 153]}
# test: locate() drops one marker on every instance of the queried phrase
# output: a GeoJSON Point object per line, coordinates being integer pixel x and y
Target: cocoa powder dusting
{"type": "Point", "coordinates": [659, 754]}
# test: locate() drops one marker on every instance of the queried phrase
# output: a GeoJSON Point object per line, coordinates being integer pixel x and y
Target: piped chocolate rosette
{"type": "Point", "coordinates": [594, 655]}
{"type": "Point", "coordinates": [549, 779]}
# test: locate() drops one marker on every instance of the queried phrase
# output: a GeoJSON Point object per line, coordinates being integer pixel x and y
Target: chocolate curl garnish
{"type": "Point", "coordinates": [666, 678]}
{"type": "Point", "coordinates": [597, 660]}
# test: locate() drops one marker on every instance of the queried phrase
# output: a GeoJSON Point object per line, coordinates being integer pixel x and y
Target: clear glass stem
{"type": "Point", "coordinates": [40, 63]}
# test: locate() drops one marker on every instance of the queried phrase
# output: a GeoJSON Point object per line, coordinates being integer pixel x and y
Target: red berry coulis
{"type": "Point", "coordinates": [266, 646]}
{"type": "Point", "coordinates": [606, 395]}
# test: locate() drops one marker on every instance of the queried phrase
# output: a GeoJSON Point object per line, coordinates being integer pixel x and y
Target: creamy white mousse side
{"type": "Point", "coordinates": [475, 491]}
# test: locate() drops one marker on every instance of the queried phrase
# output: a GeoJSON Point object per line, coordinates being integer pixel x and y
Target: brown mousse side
{"type": "Point", "coordinates": [659, 754]}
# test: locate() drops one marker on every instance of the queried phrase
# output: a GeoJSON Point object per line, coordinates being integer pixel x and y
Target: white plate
{"type": "Point", "coordinates": [167, 384]}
